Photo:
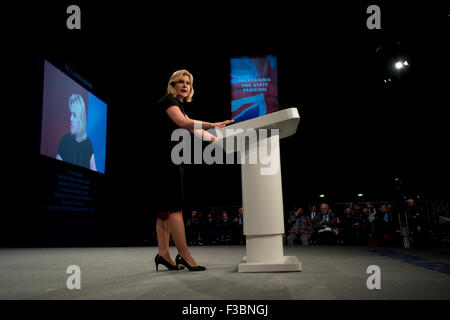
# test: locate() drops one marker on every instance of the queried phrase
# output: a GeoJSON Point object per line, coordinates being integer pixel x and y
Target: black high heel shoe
{"type": "Point", "coordinates": [179, 260]}
{"type": "Point", "coordinates": [161, 260]}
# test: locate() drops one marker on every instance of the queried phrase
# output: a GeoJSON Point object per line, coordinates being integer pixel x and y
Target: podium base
{"type": "Point", "coordinates": [286, 264]}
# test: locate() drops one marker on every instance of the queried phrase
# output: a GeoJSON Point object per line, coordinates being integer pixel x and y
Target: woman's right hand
{"type": "Point", "coordinates": [222, 124]}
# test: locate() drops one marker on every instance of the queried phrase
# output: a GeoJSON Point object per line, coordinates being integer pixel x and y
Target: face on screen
{"type": "Point", "coordinates": [74, 122]}
{"type": "Point", "coordinates": [183, 87]}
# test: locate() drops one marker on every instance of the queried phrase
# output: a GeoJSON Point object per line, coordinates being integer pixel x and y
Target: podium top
{"type": "Point", "coordinates": [285, 120]}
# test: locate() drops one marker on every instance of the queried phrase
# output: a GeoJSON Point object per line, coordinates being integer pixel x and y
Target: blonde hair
{"type": "Point", "coordinates": [76, 101]}
{"type": "Point", "coordinates": [176, 76]}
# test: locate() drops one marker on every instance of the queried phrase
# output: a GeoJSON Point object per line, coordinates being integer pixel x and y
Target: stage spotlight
{"type": "Point", "coordinates": [360, 195]}
{"type": "Point", "coordinates": [405, 63]}
{"type": "Point", "coordinates": [322, 196]}
{"type": "Point", "coordinates": [399, 65]}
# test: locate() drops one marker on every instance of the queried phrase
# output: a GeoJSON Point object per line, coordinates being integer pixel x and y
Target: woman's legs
{"type": "Point", "coordinates": [172, 222]}
{"type": "Point", "coordinates": [179, 236]}
{"type": "Point", "coordinates": [163, 234]}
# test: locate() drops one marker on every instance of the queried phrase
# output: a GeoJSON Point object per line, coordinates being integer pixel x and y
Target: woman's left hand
{"type": "Point", "coordinates": [223, 123]}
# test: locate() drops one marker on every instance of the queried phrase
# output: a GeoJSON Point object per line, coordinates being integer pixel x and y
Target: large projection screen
{"type": "Point", "coordinates": [254, 86]}
{"type": "Point", "coordinates": [73, 122]}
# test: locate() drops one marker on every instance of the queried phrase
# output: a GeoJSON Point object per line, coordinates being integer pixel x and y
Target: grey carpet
{"type": "Point", "coordinates": [129, 273]}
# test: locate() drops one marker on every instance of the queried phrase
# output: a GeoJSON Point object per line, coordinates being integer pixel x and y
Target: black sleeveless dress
{"type": "Point", "coordinates": [168, 177]}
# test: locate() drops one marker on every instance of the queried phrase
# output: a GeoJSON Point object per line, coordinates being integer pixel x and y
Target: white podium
{"type": "Point", "coordinates": [263, 218]}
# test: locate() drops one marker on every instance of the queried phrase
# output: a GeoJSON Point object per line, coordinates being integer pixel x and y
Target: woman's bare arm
{"type": "Point", "coordinates": [190, 124]}
{"type": "Point", "coordinates": [180, 120]}
{"type": "Point", "coordinates": [202, 134]}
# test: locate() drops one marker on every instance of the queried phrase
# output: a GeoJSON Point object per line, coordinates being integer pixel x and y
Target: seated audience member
{"type": "Point", "coordinates": [370, 215]}
{"type": "Point", "coordinates": [210, 232]}
{"type": "Point", "coordinates": [337, 230]}
{"type": "Point", "coordinates": [315, 218]}
{"type": "Point", "coordinates": [398, 216]}
{"type": "Point", "coordinates": [359, 226]}
{"type": "Point", "coordinates": [201, 227]}
{"type": "Point", "coordinates": [225, 228]}
{"type": "Point", "coordinates": [371, 212]}
{"type": "Point", "coordinates": [417, 223]}
{"type": "Point", "coordinates": [313, 213]}
{"type": "Point", "coordinates": [238, 227]}
{"type": "Point", "coordinates": [193, 228]}
{"type": "Point", "coordinates": [385, 225]}
{"type": "Point", "coordinates": [348, 237]}
{"type": "Point", "coordinates": [326, 225]}
{"type": "Point", "coordinates": [300, 228]}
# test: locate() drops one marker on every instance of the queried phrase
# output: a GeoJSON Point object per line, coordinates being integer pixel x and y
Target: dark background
{"type": "Point", "coordinates": [356, 134]}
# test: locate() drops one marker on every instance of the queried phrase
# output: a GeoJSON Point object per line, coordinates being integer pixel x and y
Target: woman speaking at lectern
{"type": "Point", "coordinates": [170, 196]}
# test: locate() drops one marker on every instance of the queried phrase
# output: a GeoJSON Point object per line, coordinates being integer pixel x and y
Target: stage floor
{"type": "Point", "coordinates": [329, 272]}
